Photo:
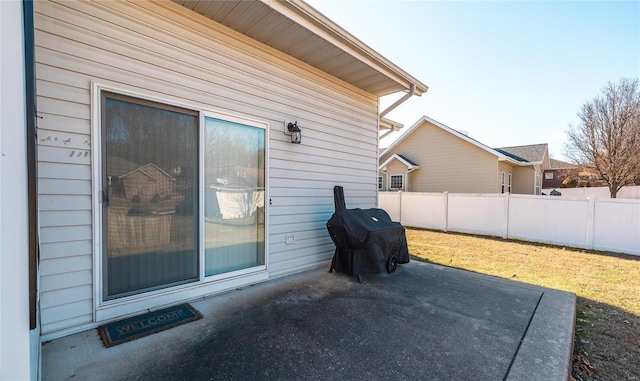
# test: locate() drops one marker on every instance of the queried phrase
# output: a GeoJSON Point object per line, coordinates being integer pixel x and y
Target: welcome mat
{"type": "Point", "coordinates": [133, 328]}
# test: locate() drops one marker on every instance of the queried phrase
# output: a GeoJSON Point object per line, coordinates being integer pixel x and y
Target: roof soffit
{"type": "Point", "coordinates": [297, 29]}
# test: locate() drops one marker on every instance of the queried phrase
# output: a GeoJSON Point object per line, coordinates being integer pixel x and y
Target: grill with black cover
{"type": "Point", "coordinates": [367, 240]}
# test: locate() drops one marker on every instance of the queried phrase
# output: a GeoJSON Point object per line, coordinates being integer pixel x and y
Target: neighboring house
{"type": "Point", "coordinates": [532, 160]}
{"type": "Point", "coordinates": [431, 157]}
{"type": "Point", "coordinates": [193, 96]}
{"type": "Point", "coordinates": [567, 175]}
{"type": "Point", "coordinates": [554, 176]}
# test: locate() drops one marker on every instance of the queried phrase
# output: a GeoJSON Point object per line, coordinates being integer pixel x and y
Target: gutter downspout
{"type": "Point", "coordinates": [397, 103]}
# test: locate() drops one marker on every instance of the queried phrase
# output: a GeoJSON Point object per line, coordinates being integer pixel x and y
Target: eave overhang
{"type": "Point", "coordinates": [297, 29]}
{"type": "Point", "coordinates": [388, 124]}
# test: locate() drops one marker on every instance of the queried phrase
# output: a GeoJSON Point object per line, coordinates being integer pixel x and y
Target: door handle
{"type": "Point", "coordinates": [107, 196]}
{"type": "Point", "coordinates": [107, 193]}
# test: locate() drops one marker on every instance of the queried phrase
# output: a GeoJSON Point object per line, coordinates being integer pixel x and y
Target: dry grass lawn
{"type": "Point", "coordinates": [607, 286]}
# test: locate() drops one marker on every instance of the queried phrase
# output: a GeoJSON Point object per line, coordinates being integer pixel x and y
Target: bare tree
{"type": "Point", "coordinates": [607, 138]}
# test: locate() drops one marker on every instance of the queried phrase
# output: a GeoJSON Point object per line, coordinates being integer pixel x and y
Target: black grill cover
{"type": "Point", "coordinates": [365, 239]}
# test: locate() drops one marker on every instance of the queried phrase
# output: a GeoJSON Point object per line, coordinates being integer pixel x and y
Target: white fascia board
{"type": "Point", "coordinates": [305, 15]}
{"type": "Point", "coordinates": [395, 156]}
{"type": "Point", "coordinates": [389, 160]}
{"type": "Point", "coordinates": [511, 160]}
{"type": "Point", "coordinates": [522, 163]}
{"type": "Point", "coordinates": [465, 137]}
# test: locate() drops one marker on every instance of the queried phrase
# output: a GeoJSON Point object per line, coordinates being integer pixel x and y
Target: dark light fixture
{"type": "Point", "coordinates": [293, 131]}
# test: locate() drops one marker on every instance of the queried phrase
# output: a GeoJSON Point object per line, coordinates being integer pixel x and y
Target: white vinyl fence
{"type": "Point", "coordinates": [591, 223]}
{"type": "Point", "coordinates": [600, 192]}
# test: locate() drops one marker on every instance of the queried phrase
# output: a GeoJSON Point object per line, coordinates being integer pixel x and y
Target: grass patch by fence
{"type": "Point", "coordinates": [607, 287]}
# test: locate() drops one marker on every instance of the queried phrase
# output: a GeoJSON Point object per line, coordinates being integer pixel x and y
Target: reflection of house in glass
{"type": "Point", "coordinates": [140, 183]}
{"type": "Point", "coordinates": [139, 213]}
{"type": "Point", "coordinates": [147, 182]}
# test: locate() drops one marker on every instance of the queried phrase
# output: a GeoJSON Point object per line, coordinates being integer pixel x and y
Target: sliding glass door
{"type": "Point", "coordinates": [150, 180]}
{"type": "Point", "coordinates": [234, 166]}
{"type": "Point", "coordinates": [172, 202]}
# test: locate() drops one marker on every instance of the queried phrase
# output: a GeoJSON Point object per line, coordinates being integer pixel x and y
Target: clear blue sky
{"type": "Point", "coordinates": [506, 72]}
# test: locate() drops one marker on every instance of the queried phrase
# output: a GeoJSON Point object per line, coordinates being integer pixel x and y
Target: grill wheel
{"type": "Point", "coordinates": [392, 264]}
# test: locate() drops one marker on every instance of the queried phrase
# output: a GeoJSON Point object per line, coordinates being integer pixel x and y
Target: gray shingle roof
{"type": "Point", "coordinates": [407, 160]}
{"type": "Point", "coordinates": [529, 153]}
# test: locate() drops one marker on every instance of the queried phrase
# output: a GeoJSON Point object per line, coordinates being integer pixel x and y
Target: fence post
{"type": "Point", "coordinates": [590, 221]}
{"type": "Point", "coordinates": [400, 206]}
{"type": "Point", "coordinates": [446, 211]}
{"type": "Point", "coordinates": [507, 197]}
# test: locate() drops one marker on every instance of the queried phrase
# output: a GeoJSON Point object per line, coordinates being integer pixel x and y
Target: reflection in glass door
{"type": "Point", "coordinates": [150, 181]}
{"type": "Point", "coordinates": [234, 169]}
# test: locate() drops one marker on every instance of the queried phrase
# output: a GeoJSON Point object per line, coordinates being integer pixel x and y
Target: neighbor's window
{"type": "Point", "coordinates": [502, 182]}
{"type": "Point", "coordinates": [509, 183]}
{"type": "Point", "coordinates": [548, 175]}
{"type": "Point", "coordinates": [396, 182]}
{"type": "Point", "coordinates": [379, 182]}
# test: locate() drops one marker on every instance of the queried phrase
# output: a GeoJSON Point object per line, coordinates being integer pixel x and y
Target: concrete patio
{"type": "Point", "coordinates": [422, 322]}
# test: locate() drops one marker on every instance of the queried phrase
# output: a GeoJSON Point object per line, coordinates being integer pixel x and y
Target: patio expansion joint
{"type": "Point", "coordinates": [524, 334]}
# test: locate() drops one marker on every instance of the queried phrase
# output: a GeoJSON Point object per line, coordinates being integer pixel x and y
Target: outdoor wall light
{"type": "Point", "coordinates": [293, 131]}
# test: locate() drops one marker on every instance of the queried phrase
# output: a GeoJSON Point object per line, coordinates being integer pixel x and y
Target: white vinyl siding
{"type": "Point", "coordinates": [169, 52]}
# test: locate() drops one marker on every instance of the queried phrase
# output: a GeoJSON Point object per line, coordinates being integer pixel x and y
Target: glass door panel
{"type": "Point", "coordinates": [234, 166]}
{"type": "Point", "coordinates": [150, 180]}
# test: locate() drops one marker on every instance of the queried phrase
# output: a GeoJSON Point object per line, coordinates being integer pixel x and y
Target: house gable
{"type": "Point", "coordinates": [449, 160]}
{"type": "Point", "coordinates": [408, 163]}
{"type": "Point", "coordinates": [394, 173]}
{"type": "Point", "coordinates": [425, 119]}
